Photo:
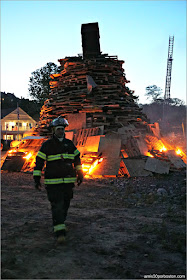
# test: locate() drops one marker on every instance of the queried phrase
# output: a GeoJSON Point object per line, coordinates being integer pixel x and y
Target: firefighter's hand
{"type": "Point", "coordinates": [38, 186]}
{"type": "Point", "coordinates": [79, 180]}
{"type": "Point", "coordinates": [79, 177]}
{"type": "Point", "coordinates": [37, 183]}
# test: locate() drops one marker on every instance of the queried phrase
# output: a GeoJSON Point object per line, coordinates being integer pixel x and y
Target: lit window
{"type": "Point", "coordinates": [12, 123]}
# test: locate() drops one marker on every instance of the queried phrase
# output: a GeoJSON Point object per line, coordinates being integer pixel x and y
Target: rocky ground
{"type": "Point", "coordinates": [118, 229]}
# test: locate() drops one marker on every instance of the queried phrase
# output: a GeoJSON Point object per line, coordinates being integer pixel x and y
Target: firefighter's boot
{"type": "Point", "coordinates": [61, 239]}
{"type": "Point", "coordinates": [61, 236]}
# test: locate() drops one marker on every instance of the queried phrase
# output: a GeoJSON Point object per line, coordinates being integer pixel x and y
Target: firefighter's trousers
{"type": "Point", "coordinates": [59, 196]}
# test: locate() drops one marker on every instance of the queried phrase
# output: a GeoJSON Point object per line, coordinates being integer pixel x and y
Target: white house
{"type": "Point", "coordinates": [14, 123]}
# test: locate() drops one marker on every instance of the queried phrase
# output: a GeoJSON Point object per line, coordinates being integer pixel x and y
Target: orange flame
{"type": "Point", "coordinates": [96, 162]}
{"type": "Point", "coordinates": [93, 166]}
{"type": "Point", "coordinates": [28, 156]}
{"type": "Point", "coordinates": [12, 151]}
{"type": "Point", "coordinates": [88, 168]}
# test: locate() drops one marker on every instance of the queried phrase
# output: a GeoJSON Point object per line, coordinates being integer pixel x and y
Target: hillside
{"type": "Point", "coordinates": [31, 107]}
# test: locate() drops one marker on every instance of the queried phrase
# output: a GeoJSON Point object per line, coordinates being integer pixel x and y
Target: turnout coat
{"type": "Point", "coordinates": [62, 162]}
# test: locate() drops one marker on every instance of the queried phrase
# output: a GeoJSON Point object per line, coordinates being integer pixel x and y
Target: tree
{"type": "Point", "coordinates": [153, 92]}
{"type": "Point", "coordinates": [39, 87]}
{"type": "Point", "coordinates": [176, 102]}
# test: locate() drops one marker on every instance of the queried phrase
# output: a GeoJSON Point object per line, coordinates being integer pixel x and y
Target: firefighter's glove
{"type": "Point", "coordinates": [79, 178]}
{"type": "Point", "coordinates": [37, 183]}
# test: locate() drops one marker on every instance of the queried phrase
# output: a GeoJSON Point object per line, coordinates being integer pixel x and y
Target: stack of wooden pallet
{"type": "Point", "coordinates": [110, 103]}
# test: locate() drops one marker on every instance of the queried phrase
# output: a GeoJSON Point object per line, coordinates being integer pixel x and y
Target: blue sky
{"type": "Point", "coordinates": [36, 32]}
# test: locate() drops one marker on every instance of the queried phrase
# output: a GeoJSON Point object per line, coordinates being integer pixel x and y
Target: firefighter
{"type": "Point", "coordinates": [63, 169]}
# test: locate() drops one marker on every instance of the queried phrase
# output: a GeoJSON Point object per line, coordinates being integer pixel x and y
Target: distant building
{"type": "Point", "coordinates": [14, 123]}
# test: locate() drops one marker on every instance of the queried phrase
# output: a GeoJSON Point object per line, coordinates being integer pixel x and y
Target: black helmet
{"type": "Point", "coordinates": [60, 121]}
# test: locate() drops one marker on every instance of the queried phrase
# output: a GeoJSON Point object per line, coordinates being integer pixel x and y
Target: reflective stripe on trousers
{"type": "Point", "coordinates": [60, 181]}
{"type": "Point", "coordinates": [59, 227]}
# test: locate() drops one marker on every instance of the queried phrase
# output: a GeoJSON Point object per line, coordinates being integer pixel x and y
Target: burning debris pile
{"type": "Point", "coordinates": [94, 84]}
{"type": "Point", "coordinates": [23, 156]}
{"type": "Point", "coordinates": [109, 103]}
{"type": "Point", "coordinates": [111, 132]}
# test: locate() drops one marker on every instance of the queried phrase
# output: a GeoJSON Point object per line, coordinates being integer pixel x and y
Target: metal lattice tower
{"type": "Point", "coordinates": [169, 68]}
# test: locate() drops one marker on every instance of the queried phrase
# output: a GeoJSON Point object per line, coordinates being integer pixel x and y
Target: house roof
{"type": "Point", "coordinates": [11, 113]}
{"type": "Point", "coordinates": [5, 112]}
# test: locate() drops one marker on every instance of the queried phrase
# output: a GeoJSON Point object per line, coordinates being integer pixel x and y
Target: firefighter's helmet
{"type": "Point", "coordinates": [60, 121]}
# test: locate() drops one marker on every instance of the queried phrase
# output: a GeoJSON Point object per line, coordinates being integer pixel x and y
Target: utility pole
{"type": "Point", "coordinates": [18, 118]}
{"type": "Point", "coordinates": [168, 77]}
{"type": "Point", "coordinates": [6, 132]}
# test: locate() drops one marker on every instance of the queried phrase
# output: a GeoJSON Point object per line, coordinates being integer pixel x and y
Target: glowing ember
{"type": "Point", "coordinates": [149, 155]}
{"type": "Point", "coordinates": [178, 152]}
{"type": "Point", "coordinates": [163, 149]}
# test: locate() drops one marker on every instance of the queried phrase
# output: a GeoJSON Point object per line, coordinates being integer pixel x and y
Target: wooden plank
{"type": "Point", "coordinates": [176, 160]}
{"type": "Point", "coordinates": [157, 166]}
{"type": "Point", "coordinates": [108, 167]}
{"type": "Point", "coordinates": [69, 94]}
{"type": "Point", "coordinates": [135, 167]}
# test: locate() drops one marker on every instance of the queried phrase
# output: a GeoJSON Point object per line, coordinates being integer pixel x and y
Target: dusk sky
{"type": "Point", "coordinates": [34, 33]}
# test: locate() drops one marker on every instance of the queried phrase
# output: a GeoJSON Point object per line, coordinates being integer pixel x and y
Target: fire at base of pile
{"type": "Point", "coordinates": [129, 152]}
{"type": "Point", "coordinates": [22, 156]}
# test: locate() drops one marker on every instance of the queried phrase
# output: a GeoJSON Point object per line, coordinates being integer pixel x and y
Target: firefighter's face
{"type": "Point", "coordinates": [59, 131]}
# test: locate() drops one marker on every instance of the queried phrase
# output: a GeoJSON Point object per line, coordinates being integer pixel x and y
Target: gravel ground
{"type": "Point", "coordinates": [118, 229]}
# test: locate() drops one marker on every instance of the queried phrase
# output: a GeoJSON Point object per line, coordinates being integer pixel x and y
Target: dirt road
{"type": "Point", "coordinates": [118, 229]}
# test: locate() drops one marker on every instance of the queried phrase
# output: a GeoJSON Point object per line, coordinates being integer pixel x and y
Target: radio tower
{"type": "Point", "coordinates": [168, 76]}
